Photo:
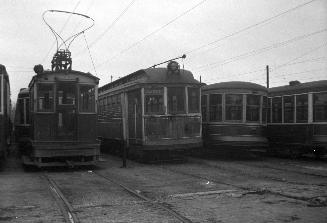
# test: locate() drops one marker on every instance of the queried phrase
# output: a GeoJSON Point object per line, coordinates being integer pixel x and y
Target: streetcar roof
{"type": "Point", "coordinates": [234, 85]}
{"type": "Point", "coordinates": [153, 76]}
{"type": "Point", "coordinates": [313, 86]}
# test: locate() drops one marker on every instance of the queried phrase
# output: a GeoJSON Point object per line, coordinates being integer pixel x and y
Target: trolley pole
{"type": "Point", "coordinates": [267, 69]}
{"type": "Point", "coordinates": [124, 153]}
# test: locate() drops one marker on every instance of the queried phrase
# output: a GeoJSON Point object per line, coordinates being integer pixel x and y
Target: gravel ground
{"type": "Point", "coordinates": [201, 190]}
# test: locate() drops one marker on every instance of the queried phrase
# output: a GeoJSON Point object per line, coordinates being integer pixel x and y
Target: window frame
{"type": "Point", "coordinates": [314, 107]}
{"type": "Point", "coordinates": [53, 97]}
{"type": "Point", "coordinates": [233, 105]}
{"type": "Point", "coordinates": [217, 109]}
{"type": "Point", "coordinates": [259, 107]}
{"type": "Point", "coordinates": [198, 99]}
{"type": "Point", "coordinates": [169, 111]}
{"type": "Point", "coordinates": [94, 101]}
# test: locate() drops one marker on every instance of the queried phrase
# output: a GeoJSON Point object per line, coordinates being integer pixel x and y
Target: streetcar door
{"type": "Point", "coordinates": [66, 111]}
{"type": "Point", "coordinates": [134, 117]}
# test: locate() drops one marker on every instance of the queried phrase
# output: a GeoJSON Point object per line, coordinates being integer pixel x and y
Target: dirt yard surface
{"type": "Point", "coordinates": [205, 189]}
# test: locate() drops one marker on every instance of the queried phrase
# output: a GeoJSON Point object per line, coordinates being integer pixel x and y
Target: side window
{"type": "Point", "coordinates": [234, 104]}
{"type": "Point", "coordinates": [1, 92]}
{"type": "Point", "coordinates": [87, 99]}
{"type": "Point", "coordinates": [265, 108]}
{"type": "Point", "coordinates": [320, 107]}
{"type": "Point", "coordinates": [176, 100]}
{"type": "Point", "coordinates": [302, 108]}
{"type": "Point", "coordinates": [193, 99]}
{"type": "Point", "coordinates": [204, 107]}
{"type": "Point", "coordinates": [269, 111]}
{"type": "Point", "coordinates": [27, 110]}
{"type": "Point", "coordinates": [253, 108]}
{"type": "Point", "coordinates": [288, 109]}
{"type": "Point", "coordinates": [20, 111]}
{"type": "Point", "coordinates": [215, 107]}
{"type": "Point", "coordinates": [45, 98]}
{"type": "Point", "coordinates": [277, 110]}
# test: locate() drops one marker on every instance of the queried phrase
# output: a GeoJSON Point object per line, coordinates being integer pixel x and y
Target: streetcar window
{"type": "Point", "coordinates": [87, 99]}
{"type": "Point", "coordinates": [20, 111]}
{"type": "Point", "coordinates": [27, 111]}
{"type": "Point", "coordinates": [153, 104]}
{"type": "Point", "coordinates": [264, 109]}
{"type": "Point", "coordinates": [45, 98]}
{"type": "Point", "coordinates": [320, 107]}
{"type": "Point", "coordinates": [215, 107]}
{"type": "Point", "coordinates": [253, 108]}
{"type": "Point", "coordinates": [234, 104]}
{"type": "Point", "coordinates": [0, 92]}
{"type": "Point", "coordinates": [204, 107]}
{"type": "Point", "coordinates": [269, 111]}
{"type": "Point", "coordinates": [302, 108]}
{"type": "Point", "coordinates": [277, 110]}
{"type": "Point", "coordinates": [193, 99]}
{"type": "Point", "coordinates": [288, 109]}
{"type": "Point", "coordinates": [176, 100]}
{"type": "Point", "coordinates": [66, 94]}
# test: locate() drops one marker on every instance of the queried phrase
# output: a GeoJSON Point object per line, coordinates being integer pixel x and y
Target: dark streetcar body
{"type": "Point", "coordinates": [5, 111]}
{"type": "Point", "coordinates": [22, 118]}
{"type": "Point", "coordinates": [234, 116]}
{"type": "Point", "coordinates": [61, 115]}
{"type": "Point", "coordinates": [154, 111]}
{"type": "Point", "coordinates": [298, 118]}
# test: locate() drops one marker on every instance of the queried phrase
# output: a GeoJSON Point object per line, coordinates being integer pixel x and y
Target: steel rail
{"type": "Point", "coordinates": [135, 193]}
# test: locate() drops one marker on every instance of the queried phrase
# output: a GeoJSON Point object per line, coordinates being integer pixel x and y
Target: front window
{"type": "Point", "coordinates": [87, 99]}
{"type": "Point", "coordinates": [154, 101]}
{"type": "Point", "coordinates": [320, 107]}
{"type": "Point", "coordinates": [193, 100]}
{"type": "Point", "coordinates": [234, 104]}
{"type": "Point", "coordinates": [277, 110]}
{"type": "Point", "coordinates": [204, 107]}
{"type": "Point", "coordinates": [253, 108]}
{"type": "Point", "coordinates": [66, 94]}
{"type": "Point", "coordinates": [288, 109]}
{"type": "Point", "coordinates": [215, 107]}
{"type": "Point", "coordinates": [45, 98]}
{"type": "Point", "coordinates": [302, 108]}
{"type": "Point", "coordinates": [176, 100]}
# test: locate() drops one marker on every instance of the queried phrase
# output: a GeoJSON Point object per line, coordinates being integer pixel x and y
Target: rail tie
{"type": "Point", "coordinates": [65, 207]}
{"type": "Point", "coordinates": [133, 192]}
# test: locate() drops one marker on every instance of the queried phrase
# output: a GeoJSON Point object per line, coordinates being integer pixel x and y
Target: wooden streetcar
{"type": "Point", "coordinates": [154, 112]}
{"type": "Point", "coordinates": [5, 111]}
{"type": "Point", "coordinates": [234, 115]}
{"type": "Point", "coordinates": [298, 119]}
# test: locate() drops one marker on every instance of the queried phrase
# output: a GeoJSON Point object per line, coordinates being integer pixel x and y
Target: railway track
{"type": "Point", "coordinates": [172, 212]}
{"type": "Point", "coordinates": [68, 211]}
{"type": "Point", "coordinates": [65, 207]}
{"type": "Point", "coordinates": [311, 201]}
{"type": "Point", "coordinates": [236, 170]}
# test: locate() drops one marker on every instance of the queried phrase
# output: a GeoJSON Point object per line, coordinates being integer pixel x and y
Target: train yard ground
{"type": "Point", "coordinates": [212, 188]}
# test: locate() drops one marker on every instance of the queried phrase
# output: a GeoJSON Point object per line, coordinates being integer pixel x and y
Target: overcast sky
{"type": "Point", "coordinates": [224, 40]}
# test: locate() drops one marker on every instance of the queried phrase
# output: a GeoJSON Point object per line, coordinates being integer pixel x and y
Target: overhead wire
{"type": "Point", "coordinates": [112, 24]}
{"type": "Point", "coordinates": [87, 45]}
{"type": "Point", "coordinates": [250, 26]}
{"type": "Point", "coordinates": [153, 32]}
{"type": "Point", "coordinates": [258, 51]}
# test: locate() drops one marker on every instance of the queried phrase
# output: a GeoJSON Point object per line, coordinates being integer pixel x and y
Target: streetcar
{"type": "Point", "coordinates": [22, 119]}
{"type": "Point", "coordinates": [298, 119]}
{"type": "Point", "coordinates": [60, 113]}
{"type": "Point", "coordinates": [5, 111]}
{"type": "Point", "coordinates": [153, 112]}
{"type": "Point", "coordinates": [60, 110]}
{"type": "Point", "coordinates": [234, 116]}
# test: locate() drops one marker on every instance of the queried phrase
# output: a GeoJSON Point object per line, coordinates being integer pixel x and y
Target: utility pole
{"type": "Point", "coordinates": [267, 70]}
{"type": "Point", "coordinates": [111, 78]}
